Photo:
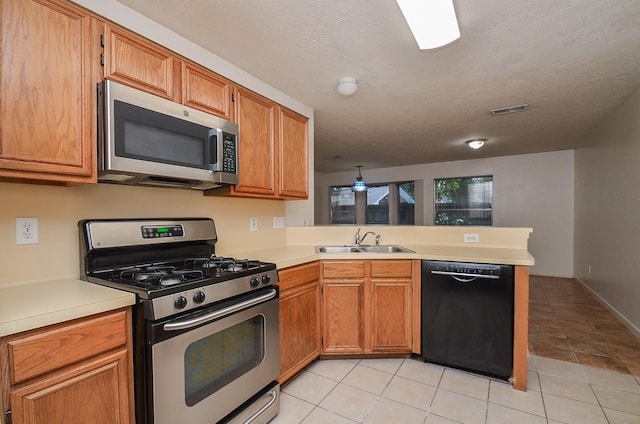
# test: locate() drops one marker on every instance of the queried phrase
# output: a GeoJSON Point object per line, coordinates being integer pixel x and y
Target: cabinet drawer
{"type": "Point", "coordinates": [342, 269]}
{"type": "Point", "coordinates": [35, 353]}
{"type": "Point", "coordinates": [298, 275]}
{"type": "Point", "coordinates": [390, 269]}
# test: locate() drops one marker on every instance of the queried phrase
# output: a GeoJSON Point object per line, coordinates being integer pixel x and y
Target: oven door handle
{"type": "Point", "coordinates": [193, 322]}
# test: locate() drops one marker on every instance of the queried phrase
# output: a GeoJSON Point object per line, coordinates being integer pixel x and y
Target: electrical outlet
{"type": "Point", "coordinates": [278, 222]}
{"type": "Point", "coordinates": [472, 238]}
{"type": "Point", "coordinates": [253, 224]}
{"type": "Point", "coordinates": [26, 230]}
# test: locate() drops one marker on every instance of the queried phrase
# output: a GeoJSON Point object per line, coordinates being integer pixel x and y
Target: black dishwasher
{"type": "Point", "coordinates": [467, 316]}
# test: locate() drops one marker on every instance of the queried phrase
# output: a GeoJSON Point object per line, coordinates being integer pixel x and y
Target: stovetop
{"type": "Point", "coordinates": [169, 263]}
{"type": "Point", "coordinates": [162, 276]}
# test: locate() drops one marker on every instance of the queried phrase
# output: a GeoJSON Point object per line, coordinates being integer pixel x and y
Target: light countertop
{"type": "Point", "coordinates": [295, 255]}
{"type": "Point", "coordinates": [32, 305]}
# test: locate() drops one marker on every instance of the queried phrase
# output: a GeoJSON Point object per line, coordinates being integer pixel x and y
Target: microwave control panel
{"type": "Point", "coordinates": [229, 153]}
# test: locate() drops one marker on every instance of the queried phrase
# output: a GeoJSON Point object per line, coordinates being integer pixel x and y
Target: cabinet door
{"type": "Point", "coordinates": [91, 392]}
{"type": "Point", "coordinates": [48, 92]}
{"type": "Point", "coordinates": [343, 316]}
{"type": "Point", "coordinates": [391, 316]}
{"type": "Point", "coordinates": [256, 121]}
{"type": "Point", "coordinates": [137, 62]}
{"type": "Point", "coordinates": [206, 91]}
{"type": "Point", "coordinates": [294, 159]}
{"type": "Point", "coordinates": [391, 299]}
{"type": "Point", "coordinates": [299, 328]}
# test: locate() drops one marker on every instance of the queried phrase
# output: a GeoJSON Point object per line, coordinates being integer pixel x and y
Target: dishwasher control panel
{"type": "Point", "coordinates": [465, 268]}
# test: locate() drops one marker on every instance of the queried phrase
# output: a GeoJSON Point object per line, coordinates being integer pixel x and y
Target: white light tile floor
{"type": "Point", "coordinates": [408, 391]}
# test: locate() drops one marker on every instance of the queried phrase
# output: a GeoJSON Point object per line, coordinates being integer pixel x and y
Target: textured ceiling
{"type": "Point", "coordinates": [573, 62]}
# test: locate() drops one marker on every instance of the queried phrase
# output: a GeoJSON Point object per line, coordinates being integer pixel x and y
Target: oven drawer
{"type": "Point", "coordinates": [61, 345]}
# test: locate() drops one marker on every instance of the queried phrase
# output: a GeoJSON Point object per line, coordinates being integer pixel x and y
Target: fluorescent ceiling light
{"type": "Point", "coordinates": [432, 22]}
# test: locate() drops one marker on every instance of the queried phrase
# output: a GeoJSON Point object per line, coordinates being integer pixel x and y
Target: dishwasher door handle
{"type": "Point", "coordinates": [464, 277]}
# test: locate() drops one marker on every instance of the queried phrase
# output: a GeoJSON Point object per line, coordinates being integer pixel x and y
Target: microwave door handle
{"type": "Point", "coordinates": [189, 323]}
{"type": "Point", "coordinates": [215, 149]}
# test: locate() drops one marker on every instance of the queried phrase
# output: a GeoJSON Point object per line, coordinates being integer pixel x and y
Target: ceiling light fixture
{"type": "Point", "coordinates": [432, 22]}
{"type": "Point", "coordinates": [476, 143]}
{"type": "Point", "coordinates": [358, 184]}
{"type": "Point", "coordinates": [347, 86]}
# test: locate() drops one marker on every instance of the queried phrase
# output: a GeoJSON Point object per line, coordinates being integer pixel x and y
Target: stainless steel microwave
{"type": "Point", "coordinates": [147, 140]}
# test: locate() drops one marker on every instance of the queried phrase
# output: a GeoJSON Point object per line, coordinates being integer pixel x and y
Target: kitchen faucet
{"type": "Point", "coordinates": [360, 240]}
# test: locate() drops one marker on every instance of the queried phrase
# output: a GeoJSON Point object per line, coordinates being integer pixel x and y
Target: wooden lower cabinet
{"type": "Point", "coordinates": [343, 316]}
{"type": "Point", "coordinates": [299, 318]}
{"type": "Point", "coordinates": [75, 372]}
{"type": "Point", "coordinates": [367, 307]}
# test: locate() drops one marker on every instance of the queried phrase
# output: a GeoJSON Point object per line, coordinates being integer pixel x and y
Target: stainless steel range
{"type": "Point", "coordinates": [206, 341]}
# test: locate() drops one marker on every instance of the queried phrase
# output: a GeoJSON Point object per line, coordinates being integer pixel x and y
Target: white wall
{"type": "Point", "coordinates": [607, 202]}
{"type": "Point", "coordinates": [534, 190]}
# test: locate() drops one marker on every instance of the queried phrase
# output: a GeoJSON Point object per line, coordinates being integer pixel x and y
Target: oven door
{"type": "Point", "coordinates": [211, 362]}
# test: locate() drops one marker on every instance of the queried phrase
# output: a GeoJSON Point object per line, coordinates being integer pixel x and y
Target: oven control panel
{"type": "Point", "coordinates": [158, 231]}
{"type": "Point", "coordinates": [187, 300]}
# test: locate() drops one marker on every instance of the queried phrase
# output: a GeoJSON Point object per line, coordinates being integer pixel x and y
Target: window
{"type": "Point", "coordinates": [343, 205]}
{"type": "Point", "coordinates": [392, 203]}
{"type": "Point", "coordinates": [463, 201]}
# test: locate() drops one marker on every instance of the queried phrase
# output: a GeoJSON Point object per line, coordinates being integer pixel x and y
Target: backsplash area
{"type": "Point", "coordinates": [59, 209]}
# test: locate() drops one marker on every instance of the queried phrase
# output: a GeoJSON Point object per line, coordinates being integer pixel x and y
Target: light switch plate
{"type": "Point", "coordinates": [278, 222]}
{"type": "Point", "coordinates": [253, 224]}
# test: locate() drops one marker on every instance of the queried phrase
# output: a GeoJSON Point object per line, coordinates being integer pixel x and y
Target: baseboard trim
{"type": "Point", "coordinates": [611, 309]}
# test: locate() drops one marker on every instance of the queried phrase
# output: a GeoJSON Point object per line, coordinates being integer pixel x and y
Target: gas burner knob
{"type": "Point", "coordinates": [254, 282]}
{"type": "Point", "coordinates": [266, 279]}
{"type": "Point", "coordinates": [180, 302]}
{"type": "Point", "coordinates": [199, 296]}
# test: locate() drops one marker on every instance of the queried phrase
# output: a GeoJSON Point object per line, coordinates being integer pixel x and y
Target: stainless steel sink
{"type": "Point", "coordinates": [384, 249]}
{"type": "Point", "coordinates": [363, 249]}
{"type": "Point", "coordinates": [337, 249]}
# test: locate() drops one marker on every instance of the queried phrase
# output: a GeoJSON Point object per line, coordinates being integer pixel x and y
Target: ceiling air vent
{"type": "Point", "coordinates": [509, 109]}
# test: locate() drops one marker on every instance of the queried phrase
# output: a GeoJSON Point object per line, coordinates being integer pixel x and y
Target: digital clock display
{"type": "Point", "coordinates": [152, 231]}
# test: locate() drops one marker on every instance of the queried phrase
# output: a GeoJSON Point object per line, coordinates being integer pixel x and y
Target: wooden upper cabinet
{"type": "Point", "coordinates": [139, 63]}
{"type": "Point", "coordinates": [206, 91]}
{"type": "Point", "coordinates": [49, 69]}
{"type": "Point", "coordinates": [256, 154]}
{"type": "Point", "coordinates": [294, 158]}
{"type": "Point", "coordinates": [273, 150]}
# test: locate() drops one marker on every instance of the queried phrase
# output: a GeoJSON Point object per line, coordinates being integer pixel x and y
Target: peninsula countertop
{"type": "Point", "coordinates": [288, 256]}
